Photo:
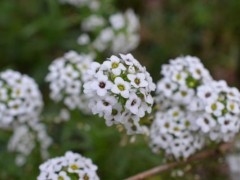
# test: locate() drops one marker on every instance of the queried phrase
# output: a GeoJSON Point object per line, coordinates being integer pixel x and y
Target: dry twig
{"type": "Point", "coordinates": [221, 149]}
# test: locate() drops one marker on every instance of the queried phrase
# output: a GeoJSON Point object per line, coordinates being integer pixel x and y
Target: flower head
{"type": "Point", "coordinates": [222, 114]}
{"type": "Point", "coordinates": [66, 77]}
{"type": "Point", "coordinates": [174, 131]}
{"type": "Point", "coordinates": [68, 166]}
{"type": "Point", "coordinates": [20, 99]}
{"type": "Point", "coordinates": [119, 34]}
{"type": "Point", "coordinates": [181, 78]}
{"type": "Point", "coordinates": [119, 94]}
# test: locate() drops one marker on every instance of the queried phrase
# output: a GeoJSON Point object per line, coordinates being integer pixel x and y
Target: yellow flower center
{"type": "Point", "coordinates": [60, 178]}
{"type": "Point", "coordinates": [121, 87]}
{"type": "Point", "coordinates": [214, 107]}
{"type": "Point", "coordinates": [137, 81]}
{"type": "Point", "coordinates": [74, 167]}
{"type": "Point", "coordinates": [115, 65]}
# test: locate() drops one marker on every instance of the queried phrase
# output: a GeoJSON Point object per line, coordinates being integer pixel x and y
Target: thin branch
{"type": "Point", "coordinates": [223, 148]}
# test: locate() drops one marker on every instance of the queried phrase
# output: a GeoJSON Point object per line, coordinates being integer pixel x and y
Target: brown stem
{"type": "Point", "coordinates": [223, 148]}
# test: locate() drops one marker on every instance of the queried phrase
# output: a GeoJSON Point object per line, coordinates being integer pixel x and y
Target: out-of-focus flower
{"type": "Point", "coordinates": [118, 35]}
{"type": "Point", "coordinates": [174, 131]}
{"type": "Point", "coordinates": [20, 99]}
{"type": "Point", "coordinates": [221, 120]}
{"type": "Point", "coordinates": [181, 78]}
{"type": "Point", "coordinates": [25, 138]}
{"type": "Point", "coordinates": [66, 77]}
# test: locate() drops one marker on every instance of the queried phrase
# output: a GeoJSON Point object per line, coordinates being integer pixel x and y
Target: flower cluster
{"type": "Point", "coordinates": [20, 99]}
{"type": "Point", "coordinates": [118, 34]}
{"type": "Point", "coordinates": [66, 78]}
{"type": "Point", "coordinates": [120, 91]}
{"type": "Point", "coordinates": [175, 132]}
{"type": "Point", "coordinates": [221, 117]}
{"type": "Point", "coordinates": [69, 166]}
{"type": "Point", "coordinates": [26, 137]}
{"type": "Point", "coordinates": [181, 77]}
{"type": "Point", "coordinates": [211, 106]}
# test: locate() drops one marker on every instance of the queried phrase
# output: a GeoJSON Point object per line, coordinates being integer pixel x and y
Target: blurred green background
{"type": "Point", "coordinates": [33, 33]}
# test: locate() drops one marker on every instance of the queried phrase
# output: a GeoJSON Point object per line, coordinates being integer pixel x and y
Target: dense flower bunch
{"type": "Point", "coordinates": [175, 132]}
{"type": "Point", "coordinates": [181, 77]}
{"type": "Point", "coordinates": [66, 78]}
{"type": "Point", "coordinates": [70, 166]}
{"type": "Point", "coordinates": [20, 99]}
{"type": "Point", "coordinates": [221, 117]}
{"type": "Point", "coordinates": [118, 34]}
{"type": "Point", "coordinates": [120, 91]}
{"type": "Point", "coordinates": [26, 137]}
{"type": "Point", "coordinates": [209, 108]}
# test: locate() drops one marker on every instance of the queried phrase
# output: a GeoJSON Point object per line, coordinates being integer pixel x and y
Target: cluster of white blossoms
{"type": "Point", "coordinates": [70, 166]}
{"type": "Point", "coordinates": [118, 34]}
{"type": "Point", "coordinates": [120, 91]}
{"type": "Point", "coordinates": [20, 99]}
{"type": "Point", "coordinates": [221, 117]}
{"type": "Point", "coordinates": [211, 107]}
{"type": "Point", "coordinates": [26, 137]}
{"type": "Point", "coordinates": [181, 77]}
{"type": "Point", "coordinates": [66, 77]}
{"type": "Point", "coordinates": [175, 131]}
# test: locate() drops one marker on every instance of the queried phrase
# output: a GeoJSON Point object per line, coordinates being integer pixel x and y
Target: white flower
{"type": "Point", "coordinates": [106, 35]}
{"type": "Point", "coordinates": [121, 87]}
{"type": "Point", "coordinates": [227, 123]}
{"type": "Point", "coordinates": [133, 103]}
{"type": "Point", "coordinates": [83, 39]}
{"type": "Point", "coordinates": [207, 94]}
{"type": "Point", "coordinates": [181, 80]}
{"type": "Point", "coordinates": [101, 85]}
{"type": "Point", "coordinates": [167, 86]}
{"type": "Point", "coordinates": [67, 165]}
{"type": "Point", "coordinates": [92, 22]}
{"type": "Point", "coordinates": [233, 107]}
{"type": "Point", "coordinates": [125, 96]}
{"type": "Point", "coordinates": [138, 80]}
{"type": "Point", "coordinates": [119, 35]}
{"type": "Point", "coordinates": [106, 105]}
{"type": "Point", "coordinates": [117, 21]}
{"type": "Point", "coordinates": [179, 77]}
{"type": "Point", "coordinates": [26, 137]}
{"type": "Point", "coordinates": [215, 108]}
{"type": "Point", "coordinates": [173, 131]}
{"type": "Point", "coordinates": [66, 77]}
{"type": "Point", "coordinates": [206, 123]}
{"type": "Point", "coordinates": [63, 176]}
{"type": "Point", "coordinates": [114, 65]}
{"type": "Point", "coordinates": [20, 99]}
{"type": "Point", "coordinates": [222, 104]}
{"type": "Point", "coordinates": [183, 95]}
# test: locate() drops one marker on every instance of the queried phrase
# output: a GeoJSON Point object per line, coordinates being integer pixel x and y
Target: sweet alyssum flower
{"type": "Point", "coordinates": [69, 166]}
{"type": "Point", "coordinates": [20, 99]}
{"type": "Point", "coordinates": [221, 120]}
{"type": "Point", "coordinates": [27, 137]}
{"type": "Point", "coordinates": [181, 78]}
{"type": "Point", "coordinates": [120, 91]}
{"type": "Point", "coordinates": [66, 77]}
{"type": "Point", "coordinates": [117, 34]}
{"type": "Point", "coordinates": [174, 131]}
